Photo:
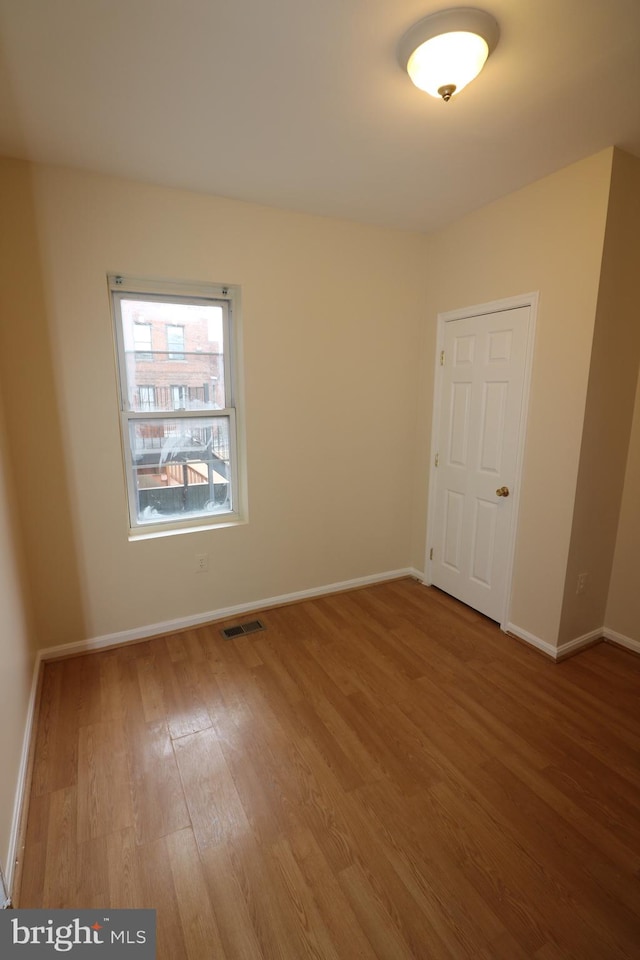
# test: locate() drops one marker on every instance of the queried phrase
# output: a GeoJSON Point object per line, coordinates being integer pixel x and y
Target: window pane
{"type": "Point", "coordinates": [174, 355]}
{"type": "Point", "coordinates": [181, 467]}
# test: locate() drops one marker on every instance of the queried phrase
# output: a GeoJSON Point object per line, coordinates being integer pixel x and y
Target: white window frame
{"type": "Point", "coordinates": [228, 297]}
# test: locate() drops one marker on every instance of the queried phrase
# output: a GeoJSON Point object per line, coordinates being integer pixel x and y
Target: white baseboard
{"type": "Point", "coordinates": [620, 638]}
{"type": "Point", "coordinates": [534, 641]}
{"type": "Point", "coordinates": [573, 646]}
{"type": "Point", "coordinates": [19, 800]}
{"type": "Point", "coordinates": [562, 650]}
{"type": "Point", "coordinates": [186, 623]}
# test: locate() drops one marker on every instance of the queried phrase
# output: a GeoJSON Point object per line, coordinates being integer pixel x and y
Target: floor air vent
{"type": "Point", "coordinates": [242, 629]}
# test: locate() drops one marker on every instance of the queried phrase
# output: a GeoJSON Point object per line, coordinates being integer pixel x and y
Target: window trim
{"type": "Point", "coordinates": [228, 296]}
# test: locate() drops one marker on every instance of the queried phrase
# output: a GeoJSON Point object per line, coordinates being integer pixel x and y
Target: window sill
{"type": "Point", "coordinates": [153, 533]}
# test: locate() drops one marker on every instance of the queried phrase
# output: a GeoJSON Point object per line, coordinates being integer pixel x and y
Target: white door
{"type": "Point", "coordinates": [478, 440]}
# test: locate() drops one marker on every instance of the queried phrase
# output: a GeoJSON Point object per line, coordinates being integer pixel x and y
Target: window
{"type": "Point", "coordinates": [175, 342]}
{"type": "Point", "coordinates": [142, 340]}
{"type": "Point", "coordinates": [179, 439]}
{"type": "Point", "coordinates": [179, 396]}
{"type": "Point", "coordinates": [146, 397]}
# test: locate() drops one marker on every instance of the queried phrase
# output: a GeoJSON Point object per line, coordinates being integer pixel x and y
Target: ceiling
{"type": "Point", "coordinates": [301, 104]}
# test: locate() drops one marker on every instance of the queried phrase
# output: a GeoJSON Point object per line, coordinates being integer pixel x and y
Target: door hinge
{"type": "Point", "coordinates": [437, 459]}
{"type": "Point", "coordinates": [442, 358]}
{"type": "Point", "coordinates": [431, 554]}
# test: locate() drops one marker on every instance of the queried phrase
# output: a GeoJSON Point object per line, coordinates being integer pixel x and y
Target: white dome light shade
{"type": "Point", "coordinates": [445, 51]}
{"type": "Point", "coordinates": [450, 60]}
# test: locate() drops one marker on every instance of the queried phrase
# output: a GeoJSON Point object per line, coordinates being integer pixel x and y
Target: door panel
{"type": "Point", "coordinates": [484, 532]}
{"type": "Point", "coordinates": [453, 530]}
{"type": "Point", "coordinates": [494, 402]}
{"type": "Point", "coordinates": [459, 430]}
{"type": "Point", "coordinates": [481, 404]}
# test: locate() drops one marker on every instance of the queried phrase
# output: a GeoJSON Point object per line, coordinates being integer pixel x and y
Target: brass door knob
{"type": "Point", "coordinates": [502, 492]}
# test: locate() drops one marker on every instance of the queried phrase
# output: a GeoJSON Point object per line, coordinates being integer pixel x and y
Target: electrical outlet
{"type": "Point", "coordinates": [202, 562]}
{"type": "Point", "coordinates": [581, 584]}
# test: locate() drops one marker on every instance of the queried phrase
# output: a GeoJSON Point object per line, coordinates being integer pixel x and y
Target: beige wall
{"type": "Point", "coordinates": [26, 434]}
{"type": "Point", "coordinates": [332, 367]}
{"type": "Point", "coordinates": [623, 606]}
{"type": "Point", "coordinates": [16, 657]}
{"type": "Point", "coordinates": [609, 410]}
{"type": "Point", "coordinates": [547, 237]}
{"type": "Point", "coordinates": [623, 603]}
{"type": "Point", "coordinates": [331, 317]}
{"type": "Point", "coordinates": [32, 423]}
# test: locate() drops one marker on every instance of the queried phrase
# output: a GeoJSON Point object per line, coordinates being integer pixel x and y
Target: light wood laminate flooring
{"type": "Point", "coordinates": [379, 775]}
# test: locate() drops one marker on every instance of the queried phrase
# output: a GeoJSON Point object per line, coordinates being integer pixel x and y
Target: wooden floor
{"type": "Point", "coordinates": [379, 774]}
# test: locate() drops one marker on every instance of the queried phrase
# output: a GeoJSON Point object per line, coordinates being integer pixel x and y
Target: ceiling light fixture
{"type": "Point", "coordinates": [445, 51]}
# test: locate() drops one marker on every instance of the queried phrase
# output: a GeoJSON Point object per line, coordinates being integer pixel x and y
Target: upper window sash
{"type": "Point", "coordinates": [127, 387]}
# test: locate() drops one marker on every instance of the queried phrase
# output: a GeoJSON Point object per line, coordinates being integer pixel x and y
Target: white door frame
{"type": "Point", "coordinates": [494, 306]}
